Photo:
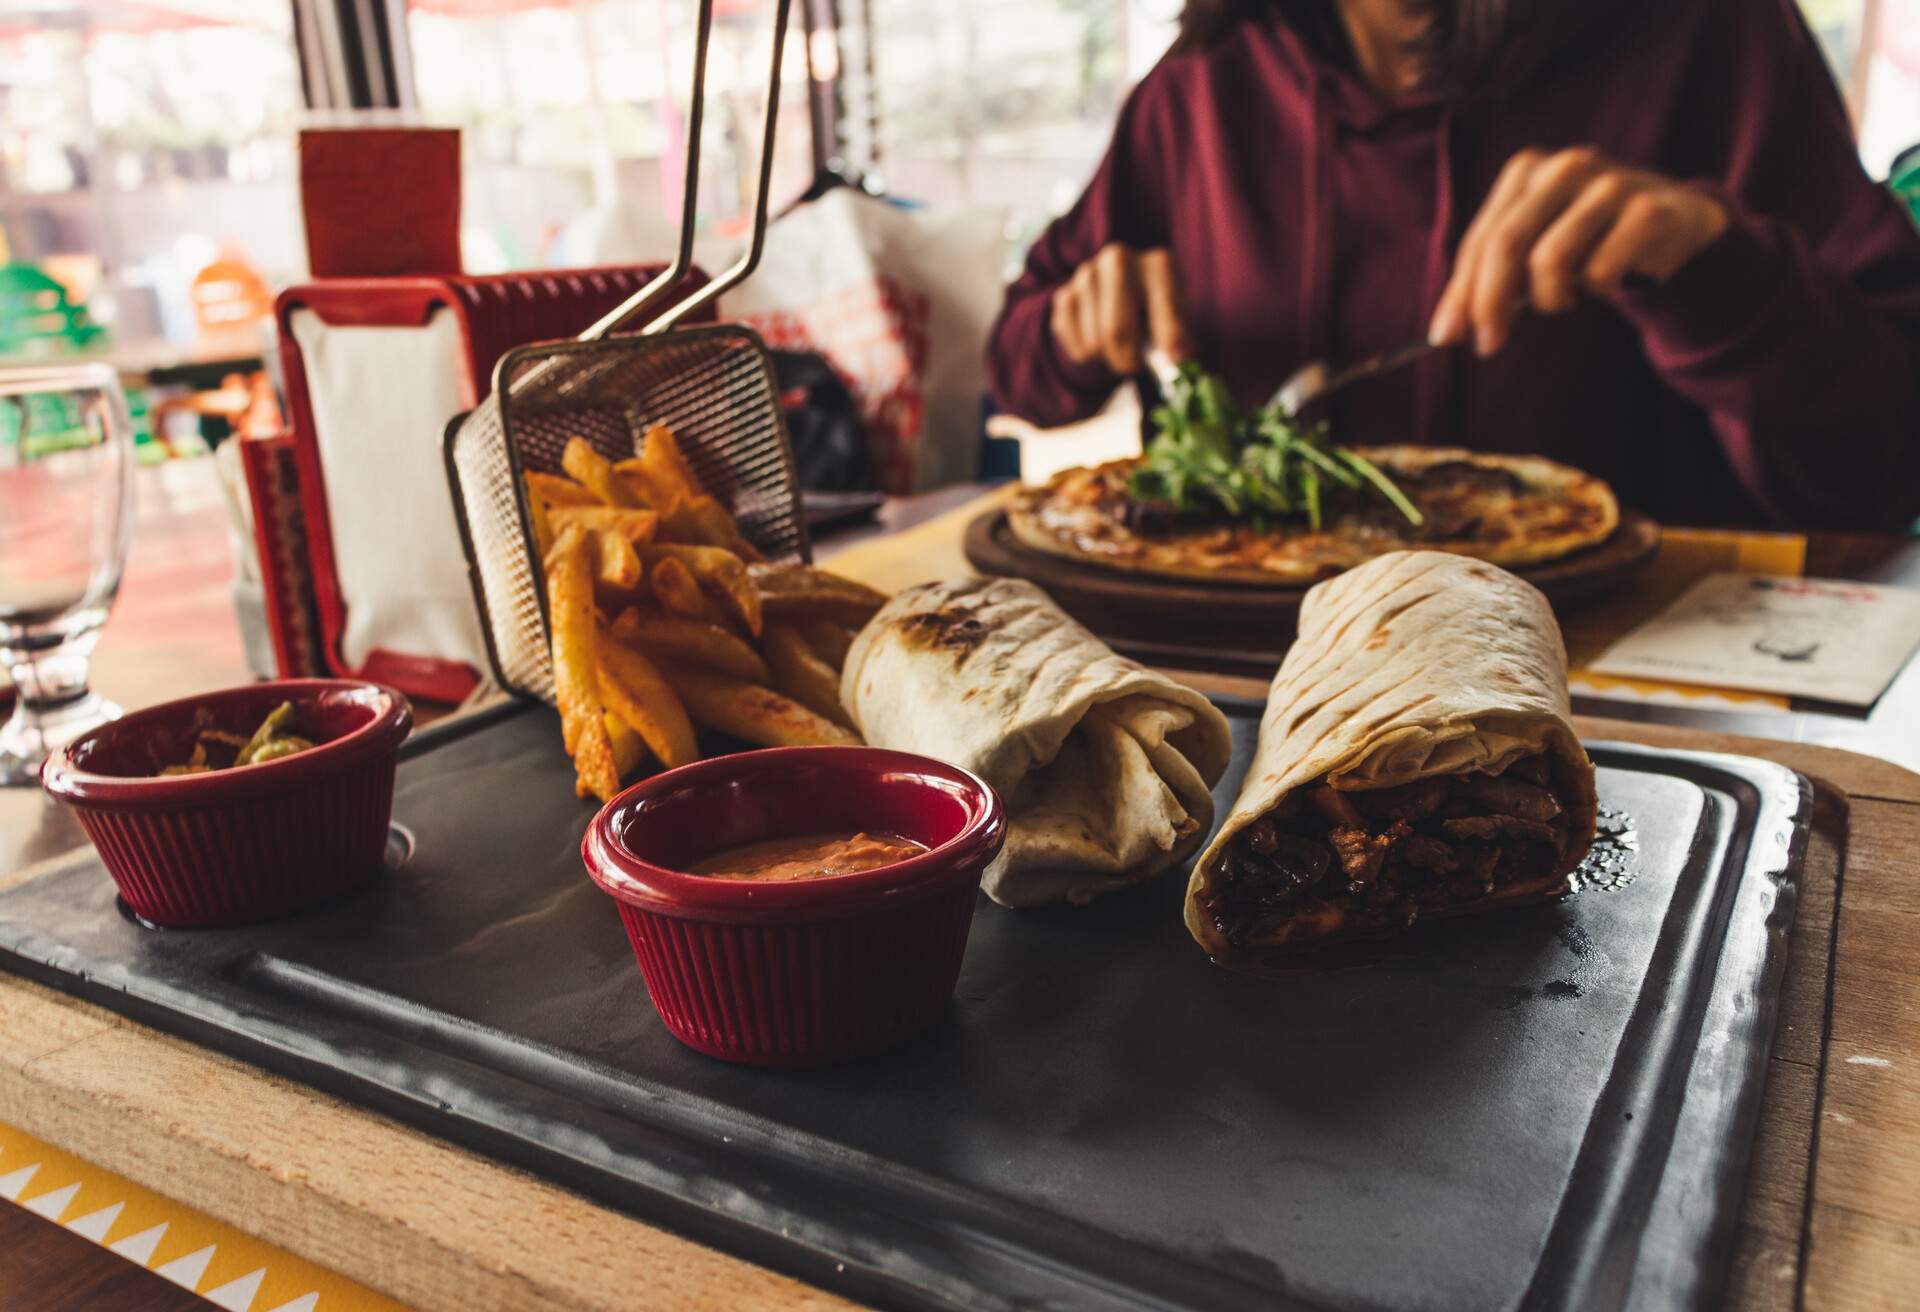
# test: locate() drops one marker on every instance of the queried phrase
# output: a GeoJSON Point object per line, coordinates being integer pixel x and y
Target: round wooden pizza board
{"type": "Point", "coordinates": [1244, 628]}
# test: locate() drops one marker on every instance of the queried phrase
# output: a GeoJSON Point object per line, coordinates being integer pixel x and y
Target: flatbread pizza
{"type": "Point", "coordinates": [1510, 510]}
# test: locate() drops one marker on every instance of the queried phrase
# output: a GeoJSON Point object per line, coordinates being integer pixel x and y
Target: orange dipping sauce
{"type": "Point", "coordinates": [812, 856]}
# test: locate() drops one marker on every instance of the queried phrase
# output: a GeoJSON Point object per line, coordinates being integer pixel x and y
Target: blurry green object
{"type": "Point", "coordinates": [1905, 181]}
{"type": "Point", "coordinates": [53, 423]}
{"type": "Point", "coordinates": [140, 412]}
{"type": "Point", "coordinates": [36, 318]}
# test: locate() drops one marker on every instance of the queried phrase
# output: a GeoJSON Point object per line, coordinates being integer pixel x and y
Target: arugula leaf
{"type": "Point", "coordinates": [1371, 472]}
{"type": "Point", "coordinates": [1207, 454]}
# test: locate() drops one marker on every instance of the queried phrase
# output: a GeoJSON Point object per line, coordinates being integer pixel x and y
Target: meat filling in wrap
{"type": "Point", "coordinates": [1359, 860]}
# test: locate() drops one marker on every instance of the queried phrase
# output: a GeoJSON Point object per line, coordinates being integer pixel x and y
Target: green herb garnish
{"type": "Point", "coordinates": [1206, 455]}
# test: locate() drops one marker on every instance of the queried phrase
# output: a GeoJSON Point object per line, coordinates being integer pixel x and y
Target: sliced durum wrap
{"type": "Point", "coordinates": [1416, 759]}
{"type": "Point", "coordinates": [1104, 765]}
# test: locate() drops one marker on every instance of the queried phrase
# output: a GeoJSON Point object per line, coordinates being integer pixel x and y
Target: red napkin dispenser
{"type": "Point", "coordinates": [374, 369]}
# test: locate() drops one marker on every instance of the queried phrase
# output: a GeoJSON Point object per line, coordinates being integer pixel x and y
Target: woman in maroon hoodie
{"type": "Point", "coordinates": [1722, 311]}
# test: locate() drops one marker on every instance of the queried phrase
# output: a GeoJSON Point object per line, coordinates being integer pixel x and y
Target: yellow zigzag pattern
{"type": "Point", "coordinates": [229, 1269]}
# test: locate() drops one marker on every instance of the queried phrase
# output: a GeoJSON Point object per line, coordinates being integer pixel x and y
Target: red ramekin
{"type": "Point", "coordinates": [246, 844]}
{"type": "Point", "coordinates": [814, 970]}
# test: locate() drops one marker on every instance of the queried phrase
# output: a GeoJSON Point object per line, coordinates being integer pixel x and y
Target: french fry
{"type": "Point", "coordinates": [721, 571]}
{"type": "Point", "coordinates": [594, 472]}
{"type": "Point", "coordinates": [635, 690]}
{"type": "Point", "coordinates": [800, 673]}
{"type": "Point", "coordinates": [801, 592]}
{"type": "Point", "coordinates": [559, 491]}
{"type": "Point", "coordinates": [828, 640]}
{"type": "Point", "coordinates": [705, 522]}
{"type": "Point", "coordinates": [636, 687]}
{"type": "Point", "coordinates": [541, 521]}
{"type": "Point", "coordinates": [575, 681]}
{"type": "Point", "coordinates": [675, 588]}
{"type": "Point", "coordinates": [689, 642]}
{"type": "Point", "coordinates": [680, 522]}
{"type": "Point", "coordinates": [667, 482]}
{"type": "Point", "coordinates": [661, 477]}
{"type": "Point", "coordinates": [629, 751]}
{"type": "Point", "coordinates": [665, 468]}
{"type": "Point", "coordinates": [751, 713]}
{"type": "Point", "coordinates": [616, 564]}
{"type": "Point", "coordinates": [641, 484]}
{"type": "Point", "coordinates": [636, 526]}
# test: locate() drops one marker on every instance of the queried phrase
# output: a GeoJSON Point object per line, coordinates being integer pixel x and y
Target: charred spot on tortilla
{"type": "Point", "coordinates": [954, 628]}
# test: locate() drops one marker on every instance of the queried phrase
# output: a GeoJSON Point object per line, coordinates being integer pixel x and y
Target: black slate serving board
{"type": "Point", "coordinates": [1545, 1108]}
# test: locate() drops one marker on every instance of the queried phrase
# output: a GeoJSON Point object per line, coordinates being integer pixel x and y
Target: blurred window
{"type": "Point", "coordinates": [1873, 47]}
{"type": "Point", "coordinates": [140, 140]}
{"type": "Point", "coordinates": [1012, 102]}
{"type": "Point", "coordinates": [574, 116]}
{"type": "Point", "coordinates": [1007, 103]}
{"type": "Point", "coordinates": [1884, 83]}
{"type": "Point", "coordinates": [143, 140]}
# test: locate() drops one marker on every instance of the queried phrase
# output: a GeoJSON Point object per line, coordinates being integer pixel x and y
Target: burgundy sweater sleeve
{"type": "Point", "coordinates": [1798, 331]}
{"type": "Point", "coordinates": [1026, 369]}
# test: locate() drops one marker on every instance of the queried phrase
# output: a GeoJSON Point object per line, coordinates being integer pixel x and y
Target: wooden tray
{"type": "Point", "coordinates": [1244, 628]}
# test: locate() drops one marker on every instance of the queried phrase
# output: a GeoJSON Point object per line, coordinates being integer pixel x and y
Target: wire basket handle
{"type": "Point", "coordinates": [648, 296]}
{"type": "Point", "coordinates": [664, 281]}
{"type": "Point", "coordinates": [749, 258]}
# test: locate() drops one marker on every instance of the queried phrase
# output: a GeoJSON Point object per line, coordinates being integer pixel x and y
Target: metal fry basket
{"type": "Point", "coordinates": [713, 386]}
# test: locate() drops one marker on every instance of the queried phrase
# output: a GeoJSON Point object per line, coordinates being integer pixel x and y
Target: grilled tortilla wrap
{"type": "Point", "coordinates": [1104, 765]}
{"type": "Point", "coordinates": [1416, 759]}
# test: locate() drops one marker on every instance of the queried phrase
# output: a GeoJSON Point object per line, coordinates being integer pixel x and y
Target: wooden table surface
{"type": "Point", "coordinates": [1832, 1216]}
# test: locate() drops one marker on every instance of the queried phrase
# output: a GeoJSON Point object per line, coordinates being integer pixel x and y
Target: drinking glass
{"type": "Point", "coordinates": [66, 510]}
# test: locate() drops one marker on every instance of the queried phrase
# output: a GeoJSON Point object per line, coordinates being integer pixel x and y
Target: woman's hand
{"type": "Point", "coordinates": [1100, 312]}
{"type": "Point", "coordinates": [1555, 226]}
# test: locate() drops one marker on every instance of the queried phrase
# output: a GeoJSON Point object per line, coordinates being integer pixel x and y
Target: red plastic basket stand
{"type": "Point", "coordinates": [280, 539]}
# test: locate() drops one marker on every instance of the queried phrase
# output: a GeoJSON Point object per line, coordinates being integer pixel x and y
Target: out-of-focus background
{"type": "Point", "coordinates": [149, 195]}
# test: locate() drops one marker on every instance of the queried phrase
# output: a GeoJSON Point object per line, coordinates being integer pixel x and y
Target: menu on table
{"type": "Point", "coordinates": [1822, 638]}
